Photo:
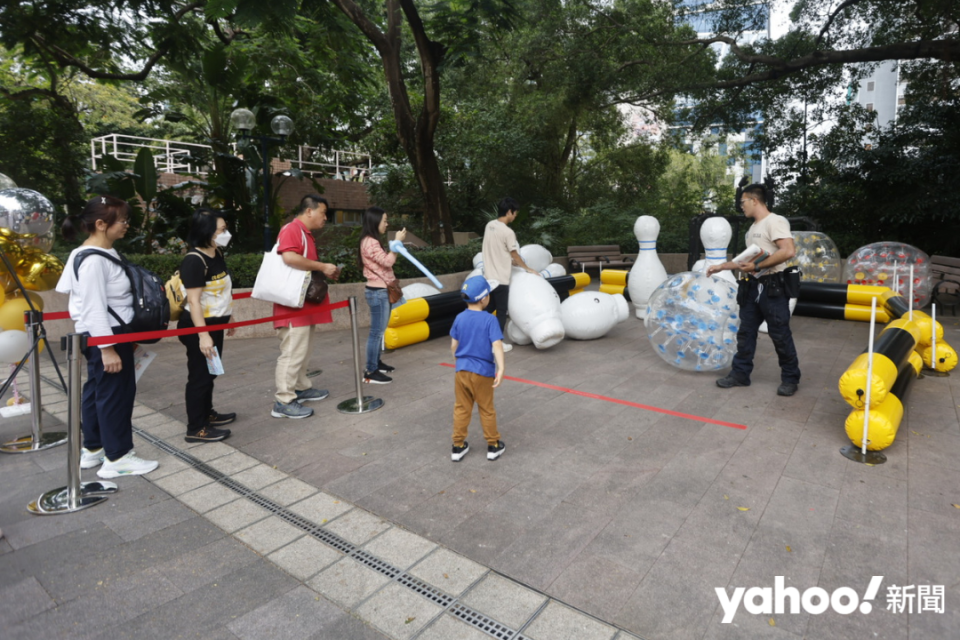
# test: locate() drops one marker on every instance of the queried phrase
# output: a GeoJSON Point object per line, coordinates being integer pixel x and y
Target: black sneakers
{"type": "Point", "coordinates": [787, 389]}
{"type": "Point", "coordinates": [495, 451]}
{"type": "Point", "coordinates": [459, 452]}
{"type": "Point", "coordinates": [207, 433]}
{"type": "Point", "coordinates": [382, 367]}
{"type": "Point", "coordinates": [220, 419]}
{"type": "Point", "coordinates": [376, 377]}
{"type": "Point", "coordinates": [729, 381]}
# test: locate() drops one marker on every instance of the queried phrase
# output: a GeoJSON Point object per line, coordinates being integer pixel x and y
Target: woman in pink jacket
{"type": "Point", "coordinates": [377, 265]}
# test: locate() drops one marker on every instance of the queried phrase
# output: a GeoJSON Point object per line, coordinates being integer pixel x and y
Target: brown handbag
{"type": "Point", "coordinates": [394, 291]}
{"type": "Point", "coordinates": [318, 288]}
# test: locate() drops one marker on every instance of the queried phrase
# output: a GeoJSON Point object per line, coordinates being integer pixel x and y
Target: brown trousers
{"type": "Point", "coordinates": [472, 387]}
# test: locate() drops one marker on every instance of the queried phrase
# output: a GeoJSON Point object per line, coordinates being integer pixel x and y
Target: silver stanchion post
{"type": "Point", "coordinates": [362, 403]}
{"type": "Point", "coordinates": [37, 440]}
{"type": "Point", "coordinates": [76, 495]}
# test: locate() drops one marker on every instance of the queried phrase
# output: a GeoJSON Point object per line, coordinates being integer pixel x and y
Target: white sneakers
{"type": "Point", "coordinates": [128, 465]}
{"type": "Point", "coordinates": [90, 459]}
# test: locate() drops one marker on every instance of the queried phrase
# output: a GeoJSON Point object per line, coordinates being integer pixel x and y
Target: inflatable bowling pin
{"type": "Point", "coordinates": [553, 270]}
{"type": "Point", "coordinates": [535, 256]}
{"type": "Point", "coordinates": [715, 234]}
{"type": "Point", "coordinates": [535, 308]}
{"type": "Point", "coordinates": [516, 334]}
{"type": "Point", "coordinates": [416, 290]}
{"type": "Point", "coordinates": [591, 314]}
{"type": "Point", "coordinates": [647, 272]}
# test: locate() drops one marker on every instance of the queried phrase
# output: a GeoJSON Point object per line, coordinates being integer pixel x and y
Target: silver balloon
{"type": "Point", "coordinates": [25, 211]}
{"type": "Point", "coordinates": [7, 183]}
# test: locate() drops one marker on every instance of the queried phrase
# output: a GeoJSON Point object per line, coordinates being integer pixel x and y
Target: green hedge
{"type": "Point", "coordinates": [244, 266]}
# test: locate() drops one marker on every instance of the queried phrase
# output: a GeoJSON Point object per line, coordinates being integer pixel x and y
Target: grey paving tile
{"type": "Point", "coordinates": [320, 508]}
{"type": "Point", "coordinates": [357, 526]}
{"type": "Point", "coordinates": [398, 612]}
{"type": "Point", "coordinates": [449, 628]}
{"type": "Point", "coordinates": [236, 515]}
{"type": "Point", "coordinates": [258, 477]}
{"type": "Point", "coordinates": [208, 497]}
{"type": "Point", "coordinates": [211, 451]}
{"type": "Point", "coordinates": [295, 615]}
{"type": "Point", "coordinates": [504, 600]}
{"type": "Point", "coordinates": [305, 557]}
{"type": "Point", "coordinates": [595, 585]}
{"type": "Point", "coordinates": [22, 600]}
{"type": "Point", "coordinates": [169, 466]}
{"type": "Point", "coordinates": [136, 524]}
{"type": "Point", "coordinates": [233, 463]}
{"type": "Point", "coordinates": [182, 481]}
{"type": "Point", "coordinates": [448, 571]}
{"type": "Point", "coordinates": [268, 534]}
{"type": "Point", "coordinates": [206, 564]}
{"type": "Point", "coordinates": [347, 582]}
{"type": "Point", "coordinates": [288, 491]}
{"type": "Point", "coordinates": [557, 622]}
{"type": "Point", "coordinates": [400, 548]}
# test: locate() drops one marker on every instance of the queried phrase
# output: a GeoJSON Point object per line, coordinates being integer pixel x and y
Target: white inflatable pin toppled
{"type": "Point", "coordinates": [535, 308]}
{"type": "Point", "coordinates": [591, 314]}
{"type": "Point", "coordinates": [516, 334]}
{"type": "Point", "coordinates": [647, 272]}
{"type": "Point", "coordinates": [478, 261]}
{"type": "Point", "coordinates": [419, 290]}
{"type": "Point", "coordinates": [536, 256]}
{"type": "Point", "coordinates": [553, 270]}
{"type": "Point", "coordinates": [715, 234]}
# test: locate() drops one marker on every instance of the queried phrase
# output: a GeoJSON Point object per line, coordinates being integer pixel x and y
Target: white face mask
{"type": "Point", "coordinates": [223, 239]}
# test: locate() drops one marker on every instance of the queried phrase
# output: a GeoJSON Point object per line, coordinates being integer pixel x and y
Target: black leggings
{"type": "Point", "coordinates": [198, 395]}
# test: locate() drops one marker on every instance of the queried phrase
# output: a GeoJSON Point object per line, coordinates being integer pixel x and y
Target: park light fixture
{"type": "Point", "coordinates": [244, 121]}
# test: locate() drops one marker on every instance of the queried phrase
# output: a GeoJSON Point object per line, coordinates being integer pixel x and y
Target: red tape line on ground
{"type": "Point", "coordinates": [645, 407]}
{"type": "Point", "coordinates": [65, 315]}
{"type": "Point", "coordinates": [152, 335]}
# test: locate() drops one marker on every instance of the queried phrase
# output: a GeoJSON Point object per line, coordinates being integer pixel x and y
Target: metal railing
{"type": "Point", "coordinates": [174, 156]}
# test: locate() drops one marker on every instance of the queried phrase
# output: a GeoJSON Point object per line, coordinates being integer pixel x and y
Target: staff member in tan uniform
{"type": "Point", "coordinates": [500, 253]}
{"type": "Point", "coordinates": [763, 295]}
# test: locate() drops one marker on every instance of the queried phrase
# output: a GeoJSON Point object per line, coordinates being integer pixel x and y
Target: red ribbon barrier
{"type": "Point", "coordinates": [152, 335]}
{"type": "Point", "coordinates": [595, 396]}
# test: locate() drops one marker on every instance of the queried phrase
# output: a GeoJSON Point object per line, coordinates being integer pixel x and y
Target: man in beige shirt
{"type": "Point", "coordinates": [762, 295]}
{"type": "Point", "coordinates": [500, 253]}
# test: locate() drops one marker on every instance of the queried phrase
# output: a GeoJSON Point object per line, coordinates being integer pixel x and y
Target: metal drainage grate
{"type": "Point", "coordinates": [474, 618]}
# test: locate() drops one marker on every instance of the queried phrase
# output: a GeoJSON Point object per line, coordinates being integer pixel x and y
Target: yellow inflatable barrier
{"type": "Point", "coordinates": [614, 276]}
{"type": "Point", "coordinates": [582, 279]}
{"type": "Point", "coordinates": [574, 292]}
{"type": "Point", "coordinates": [853, 382]}
{"type": "Point", "coordinates": [412, 311]}
{"type": "Point", "coordinates": [884, 423]}
{"type": "Point", "coordinates": [946, 359]}
{"type": "Point", "coordinates": [612, 288]}
{"type": "Point", "coordinates": [916, 361]}
{"type": "Point", "coordinates": [396, 337]}
{"type": "Point", "coordinates": [925, 324]}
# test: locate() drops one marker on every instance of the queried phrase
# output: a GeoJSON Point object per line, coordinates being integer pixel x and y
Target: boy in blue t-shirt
{"type": "Point", "coordinates": [478, 347]}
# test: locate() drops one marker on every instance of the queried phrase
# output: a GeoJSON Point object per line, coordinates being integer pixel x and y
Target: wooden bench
{"type": "Point", "coordinates": [600, 256]}
{"type": "Point", "coordinates": [945, 272]}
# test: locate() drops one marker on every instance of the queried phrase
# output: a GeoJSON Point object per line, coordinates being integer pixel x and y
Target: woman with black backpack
{"type": "Point", "coordinates": [209, 302]}
{"type": "Point", "coordinates": [101, 304]}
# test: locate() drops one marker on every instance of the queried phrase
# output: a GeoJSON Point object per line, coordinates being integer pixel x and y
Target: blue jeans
{"type": "Point", "coordinates": [379, 301]}
{"type": "Point", "coordinates": [755, 308]}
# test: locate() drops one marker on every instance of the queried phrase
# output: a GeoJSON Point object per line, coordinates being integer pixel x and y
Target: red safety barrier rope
{"type": "Point", "coordinates": [637, 405]}
{"type": "Point", "coordinates": [152, 335]}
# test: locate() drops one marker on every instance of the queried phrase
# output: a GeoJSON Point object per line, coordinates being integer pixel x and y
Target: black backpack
{"type": "Point", "coordinates": [151, 309]}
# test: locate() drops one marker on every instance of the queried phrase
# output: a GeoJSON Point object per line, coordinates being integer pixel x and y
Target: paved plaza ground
{"type": "Point", "coordinates": [602, 519]}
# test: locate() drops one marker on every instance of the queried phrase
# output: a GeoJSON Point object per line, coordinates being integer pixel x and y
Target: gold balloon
{"type": "Point", "coordinates": [11, 314]}
{"type": "Point", "coordinates": [38, 271]}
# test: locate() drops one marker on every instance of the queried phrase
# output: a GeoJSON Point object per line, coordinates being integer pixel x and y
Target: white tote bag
{"type": "Point", "coordinates": [277, 282]}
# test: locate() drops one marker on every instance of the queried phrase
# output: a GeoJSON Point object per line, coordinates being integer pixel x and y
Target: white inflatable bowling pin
{"type": "Point", "coordinates": [715, 234]}
{"type": "Point", "coordinates": [516, 334]}
{"type": "Point", "coordinates": [478, 261]}
{"type": "Point", "coordinates": [535, 308]}
{"type": "Point", "coordinates": [553, 270]}
{"type": "Point", "coordinates": [647, 272]}
{"type": "Point", "coordinates": [591, 314]}
{"type": "Point", "coordinates": [419, 290]}
{"type": "Point", "coordinates": [536, 256]}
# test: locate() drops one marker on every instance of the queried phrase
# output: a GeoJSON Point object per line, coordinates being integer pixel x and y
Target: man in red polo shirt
{"type": "Point", "coordinates": [296, 245]}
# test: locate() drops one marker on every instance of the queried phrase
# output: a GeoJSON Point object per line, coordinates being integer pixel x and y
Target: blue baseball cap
{"type": "Point", "coordinates": [477, 288]}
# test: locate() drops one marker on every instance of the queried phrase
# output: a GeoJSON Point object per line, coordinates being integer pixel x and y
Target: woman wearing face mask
{"type": "Point", "coordinates": [209, 300]}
